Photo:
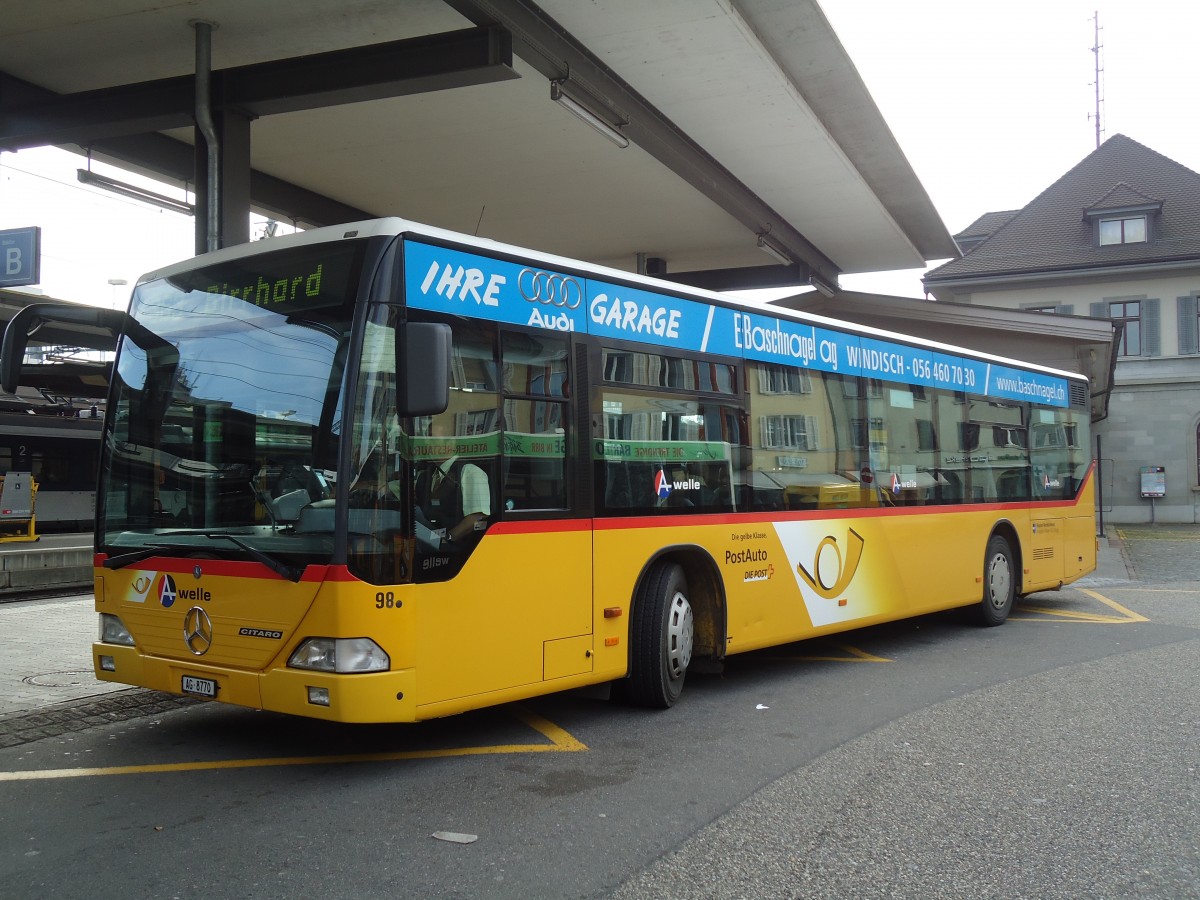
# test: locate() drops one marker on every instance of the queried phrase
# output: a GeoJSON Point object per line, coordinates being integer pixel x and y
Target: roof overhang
{"type": "Point", "coordinates": [743, 120]}
{"type": "Point", "coordinates": [946, 287]}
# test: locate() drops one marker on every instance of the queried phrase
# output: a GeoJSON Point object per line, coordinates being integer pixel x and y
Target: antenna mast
{"type": "Point", "coordinates": [1096, 48]}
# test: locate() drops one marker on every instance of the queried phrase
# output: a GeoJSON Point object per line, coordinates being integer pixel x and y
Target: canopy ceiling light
{"type": "Point", "coordinates": [825, 287]}
{"type": "Point", "coordinates": [87, 176]}
{"type": "Point", "coordinates": [575, 107]}
{"type": "Point", "coordinates": [774, 250]}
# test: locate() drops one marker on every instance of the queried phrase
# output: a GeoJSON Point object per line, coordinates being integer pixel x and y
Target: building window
{"type": "Point", "coordinates": [866, 432]}
{"type": "Point", "coordinates": [789, 432]}
{"type": "Point", "coordinates": [926, 435]}
{"type": "Point", "coordinates": [851, 389]}
{"type": "Point", "coordinates": [1189, 324]}
{"type": "Point", "coordinates": [1128, 313]}
{"type": "Point", "coordinates": [657, 370]}
{"type": "Point", "coordinates": [1123, 231]}
{"type": "Point", "coordinates": [776, 379]}
{"type": "Point", "coordinates": [1009, 436]}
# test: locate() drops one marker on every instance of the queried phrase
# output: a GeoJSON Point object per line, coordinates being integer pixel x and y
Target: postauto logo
{"type": "Point", "coordinates": [831, 579]}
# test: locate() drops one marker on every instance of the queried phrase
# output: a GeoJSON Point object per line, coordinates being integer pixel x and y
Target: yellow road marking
{"type": "Point", "coordinates": [1117, 606]}
{"type": "Point", "coordinates": [560, 742]}
{"type": "Point", "coordinates": [855, 655]}
{"type": "Point", "coordinates": [1178, 536]}
{"type": "Point", "coordinates": [1157, 590]}
{"type": "Point", "coordinates": [1126, 616]}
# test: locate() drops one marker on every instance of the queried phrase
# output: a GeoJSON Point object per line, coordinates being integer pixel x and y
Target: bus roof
{"type": "Point", "coordinates": [395, 226]}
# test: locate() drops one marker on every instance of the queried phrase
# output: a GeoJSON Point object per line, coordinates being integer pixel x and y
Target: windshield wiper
{"type": "Point", "coordinates": [125, 559]}
{"type": "Point", "coordinates": [291, 573]}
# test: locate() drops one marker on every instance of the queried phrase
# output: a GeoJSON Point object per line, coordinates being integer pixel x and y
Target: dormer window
{"type": "Point", "coordinates": [1123, 216]}
{"type": "Point", "coordinates": [1129, 230]}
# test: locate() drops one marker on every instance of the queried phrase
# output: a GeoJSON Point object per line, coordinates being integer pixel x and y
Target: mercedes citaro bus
{"type": "Point", "coordinates": [384, 472]}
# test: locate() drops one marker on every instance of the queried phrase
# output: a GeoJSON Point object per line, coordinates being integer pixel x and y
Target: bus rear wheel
{"type": "Point", "coordinates": [662, 638]}
{"type": "Point", "coordinates": [999, 582]}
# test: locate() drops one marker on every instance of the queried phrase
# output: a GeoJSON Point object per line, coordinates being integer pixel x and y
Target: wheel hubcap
{"type": "Point", "coordinates": [999, 581]}
{"type": "Point", "coordinates": [679, 636]}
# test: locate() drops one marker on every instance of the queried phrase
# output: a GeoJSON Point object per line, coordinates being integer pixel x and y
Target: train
{"type": "Point", "coordinates": [60, 445]}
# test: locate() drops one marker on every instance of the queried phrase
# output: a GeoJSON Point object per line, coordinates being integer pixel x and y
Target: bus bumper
{"type": "Point", "coordinates": [364, 697]}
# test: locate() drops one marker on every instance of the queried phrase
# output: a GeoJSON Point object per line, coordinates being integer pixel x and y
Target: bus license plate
{"type": "Point", "coordinates": [199, 687]}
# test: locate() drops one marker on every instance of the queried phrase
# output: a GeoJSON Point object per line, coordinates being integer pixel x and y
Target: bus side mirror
{"type": "Point", "coordinates": [89, 326]}
{"type": "Point", "coordinates": [422, 368]}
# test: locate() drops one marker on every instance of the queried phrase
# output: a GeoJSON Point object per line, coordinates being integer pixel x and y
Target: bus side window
{"type": "Point", "coordinates": [534, 449]}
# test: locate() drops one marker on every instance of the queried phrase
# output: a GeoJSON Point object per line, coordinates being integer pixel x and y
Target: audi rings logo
{"type": "Point", "coordinates": [197, 631]}
{"type": "Point", "coordinates": [550, 289]}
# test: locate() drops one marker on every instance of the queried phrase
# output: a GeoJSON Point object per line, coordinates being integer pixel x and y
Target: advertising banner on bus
{"type": "Point", "coordinates": [453, 281]}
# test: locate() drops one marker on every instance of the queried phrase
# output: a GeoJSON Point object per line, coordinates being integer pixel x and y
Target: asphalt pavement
{"type": "Point", "coordinates": [1083, 781]}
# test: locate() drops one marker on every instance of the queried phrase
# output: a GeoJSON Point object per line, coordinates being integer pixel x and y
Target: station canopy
{"type": "Point", "coordinates": [755, 156]}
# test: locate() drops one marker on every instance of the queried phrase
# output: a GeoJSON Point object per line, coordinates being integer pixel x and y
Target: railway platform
{"type": "Point", "coordinates": [55, 563]}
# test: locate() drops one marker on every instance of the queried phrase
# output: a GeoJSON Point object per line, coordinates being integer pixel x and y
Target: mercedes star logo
{"type": "Point", "coordinates": [197, 631]}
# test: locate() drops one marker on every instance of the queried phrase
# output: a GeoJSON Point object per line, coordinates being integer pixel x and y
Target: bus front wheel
{"type": "Point", "coordinates": [662, 638]}
{"type": "Point", "coordinates": [999, 582]}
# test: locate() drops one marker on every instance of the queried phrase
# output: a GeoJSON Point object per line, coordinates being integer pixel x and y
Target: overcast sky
{"type": "Point", "coordinates": [89, 236]}
{"type": "Point", "coordinates": [989, 101]}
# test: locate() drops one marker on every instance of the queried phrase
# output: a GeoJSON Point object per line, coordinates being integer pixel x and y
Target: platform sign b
{"type": "Point", "coordinates": [20, 256]}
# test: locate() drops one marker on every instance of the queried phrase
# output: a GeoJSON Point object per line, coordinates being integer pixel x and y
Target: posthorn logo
{"type": "Point", "coordinates": [167, 593]}
{"type": "Point", "coordinates": [831, 571]}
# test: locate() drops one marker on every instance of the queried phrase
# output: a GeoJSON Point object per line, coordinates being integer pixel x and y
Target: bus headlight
{"type": "Point", "coordinates": [113, 631]}
{"type": "Point", "coordinates": [342, 655]}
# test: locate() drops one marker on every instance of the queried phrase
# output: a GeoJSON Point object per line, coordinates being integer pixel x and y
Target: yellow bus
{"type": "Point", "coordinates": [383, 472]}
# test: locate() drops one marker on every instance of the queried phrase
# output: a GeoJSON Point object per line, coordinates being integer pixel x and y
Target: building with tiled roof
{"type": "Point", "coordinates": [982, 229]}
{"type": "Point", "coordinates": [1117, 237]}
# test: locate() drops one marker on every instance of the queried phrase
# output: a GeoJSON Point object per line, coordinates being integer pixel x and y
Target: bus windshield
{"type": "Point", "coordinates": [226, 409]}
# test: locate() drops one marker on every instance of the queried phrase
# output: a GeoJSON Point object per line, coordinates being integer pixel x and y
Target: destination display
{"type": "Point", "coordinates": [288, 281]}
{"type": "Point", "coordinates": [452, 281]}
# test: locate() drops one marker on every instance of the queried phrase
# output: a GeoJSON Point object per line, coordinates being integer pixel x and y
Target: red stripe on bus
{"type": "Point", "coordinates": [541, 526]}
{"type": "Point", "coordinates": [550, 526]}
{"type": "Point", "coordinates": [808, 515]}
{"type": "Point", "coordinates": [231, 567]}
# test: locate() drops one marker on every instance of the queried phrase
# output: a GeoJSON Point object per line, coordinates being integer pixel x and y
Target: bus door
{"type": "Point", "coordinates": [503, 565]}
